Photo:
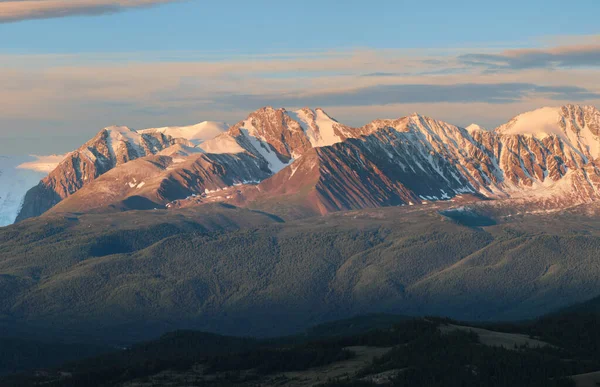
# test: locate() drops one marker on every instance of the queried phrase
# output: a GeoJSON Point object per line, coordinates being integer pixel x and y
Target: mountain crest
{"type": "Point", "coordinates": [546, 154]}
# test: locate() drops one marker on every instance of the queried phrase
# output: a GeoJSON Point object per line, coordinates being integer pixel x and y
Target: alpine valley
{"type": "Point", "coordinates": [288, 219]}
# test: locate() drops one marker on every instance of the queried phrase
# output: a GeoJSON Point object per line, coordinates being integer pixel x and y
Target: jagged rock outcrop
{"type": "Point", "coordinates": [154, 181]}
{"type": "Point", "coordinates": [111, 147]}
{"type": "Point", "coordinates": [280, 136]}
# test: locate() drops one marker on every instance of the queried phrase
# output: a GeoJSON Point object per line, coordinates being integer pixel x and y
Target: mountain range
{"type": "Point", "coordinates": [289, 219]}
{"type": "Point", "coordinates": [302, 163]}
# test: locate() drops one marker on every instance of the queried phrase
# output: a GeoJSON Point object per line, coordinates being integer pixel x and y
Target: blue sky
{"type": "Point", "coordinates": [266, 26]}
{"type": "Point", "coordinates": [180, 62]}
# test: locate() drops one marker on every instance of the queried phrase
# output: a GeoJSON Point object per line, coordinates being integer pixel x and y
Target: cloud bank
{"type": "Point", "coordinates": [559, 57]}
{"type": "Point", "coordinates": [44, 164]}
{"type": "Point", "coordinates": [18, 10]}
{"type": "Point", "coordinates": [65, 99]}
{"type": "Point", "coordinates": [495, 93]}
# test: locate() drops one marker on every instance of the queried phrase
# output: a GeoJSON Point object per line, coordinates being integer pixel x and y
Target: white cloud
{"type": "Point", "coordinates": [42, 163]}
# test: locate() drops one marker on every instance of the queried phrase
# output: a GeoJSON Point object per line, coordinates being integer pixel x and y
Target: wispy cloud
{"type": "Point", "coordinates": [17, 10]}
{"type": "Point", "coordinates": [560, 57]}
{"type": "Point", "coordinates": [78, 94]}
{"type": "Point", "coordinates": [496, 93]}
{"type": "Point", "coordinates": [42, 163]}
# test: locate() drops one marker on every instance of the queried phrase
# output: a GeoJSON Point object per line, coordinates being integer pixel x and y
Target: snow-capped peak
{"type": "Point", "coordinates": [578, 126]}
{"type": "Point", "coordinates": [318, 126]}
{"type": "Point", "coordinates": [118, 136]}
{"type": "Point", "coordinates": [196, 134]}
{"type": "Point", "coordinates": [474, 128]}
{"type": "Point", "coordinates": [119, 129]}
{"type": "Point", "coordinates": [538, 123]}
{"type": "Point", "coordinates": [416, 117]}
{"type": "Point", "coordinates": [122, 133]}
{"type": "Point", "coordinates": [553, 121]}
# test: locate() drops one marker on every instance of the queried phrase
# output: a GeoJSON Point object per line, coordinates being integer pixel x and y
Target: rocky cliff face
{"type": "Point", "coordinates": [280, 136]}
{"type": "Point", "coordinates": [111, 147]}
{"type": "Point", "coordinates": [154, 181]}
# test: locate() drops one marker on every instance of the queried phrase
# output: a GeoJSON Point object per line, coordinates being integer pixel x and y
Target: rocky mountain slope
{"type": "Point", "coordinates": [307, 160]}
{"type": "Point", "coordinates": [256, 148]}
{"type": "Point", "coordinates": [280, 136]}
{"type": "Point", "coordinates": [150, 182]}
{"type": "Point", "coordinates": [547, 157]}
{"type": "Point", "coordinates": [111, 147]}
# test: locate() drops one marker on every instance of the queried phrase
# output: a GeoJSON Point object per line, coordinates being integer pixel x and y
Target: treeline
{"type": "Point", "coordinates": [457, 359]}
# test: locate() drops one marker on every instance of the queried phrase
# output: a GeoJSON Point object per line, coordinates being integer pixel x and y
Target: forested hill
{"type": "Point", "coordinates": [132, 276]}
{"type": "Point", "coordinates": [363, 351]}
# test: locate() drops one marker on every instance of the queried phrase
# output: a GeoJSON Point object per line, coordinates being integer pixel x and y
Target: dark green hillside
{"type": "Point", "coordinates": [18, 355]}
{"type": "Point", "coordinates": [575, 328]}
{"type": "Point", "coordinates": [588, 307]}
{"type": "Point", "coordinates": [132, 276]}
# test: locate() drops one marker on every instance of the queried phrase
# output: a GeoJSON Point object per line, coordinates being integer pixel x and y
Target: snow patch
{"type": "Point", "coordinates": [119, 136]}
{"type": "Point", "coordinates": [265, 150]}
{"type": "Point", "coordinates": [224, 143]}
{"type": "Point", "coordinates": [539, 123]}
{"type": "Point", "coordinates": [196, 134]}
{"type": "Point", "coordinates": [317, 125]}
{"type": "Point", "coordinates": [294, 168]}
